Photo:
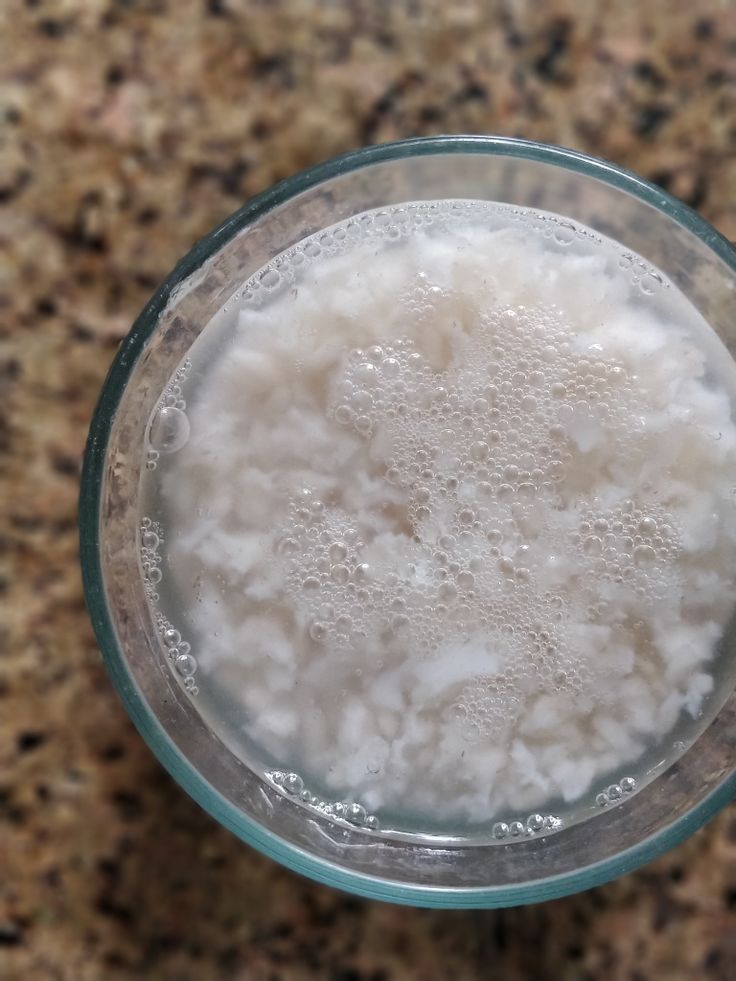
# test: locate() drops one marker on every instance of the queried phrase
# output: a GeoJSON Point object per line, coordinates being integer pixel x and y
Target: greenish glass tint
{"type": "Point", "coordinates": [614, 201]}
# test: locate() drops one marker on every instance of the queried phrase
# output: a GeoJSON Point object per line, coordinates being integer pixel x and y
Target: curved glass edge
{"type": "Point", "coordinates": [89, 506]}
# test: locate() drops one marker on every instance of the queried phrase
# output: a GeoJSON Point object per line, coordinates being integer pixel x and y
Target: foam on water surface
{"type": "Point", "coordinates": [447, 498]}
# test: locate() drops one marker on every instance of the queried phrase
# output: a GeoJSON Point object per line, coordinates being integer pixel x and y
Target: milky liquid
{"type": "Point", "coordinates": [439, 522]}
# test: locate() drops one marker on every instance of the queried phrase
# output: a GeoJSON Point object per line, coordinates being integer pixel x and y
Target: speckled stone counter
{"type": "Point", "coordinates": [128, 130]}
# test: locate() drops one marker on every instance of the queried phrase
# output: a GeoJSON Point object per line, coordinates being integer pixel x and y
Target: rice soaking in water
{"type": "Point", "coordinates": [439, 524]}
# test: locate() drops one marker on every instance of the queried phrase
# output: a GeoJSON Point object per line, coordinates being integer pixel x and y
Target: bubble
{"type": "Point", "coordinates": [149, 539]}
{"type": "Point", "coordinates": [516, 828]}
{"type": "Point", "coordinates": [447, 592]}
{"type": "Point", "coordinates": [628, 785]}
{"type": "Point", "coordinates": [172, 637]}
{"type": "Point", "coordinates": [602, 800]}
{"type": "Point", "coordinates": [535, 822]}
{"type": "Point", "coordinates": [340, 574]}
{"type": "Point", "coordinates": [317, 630]}
{"type": "Point", "coordinates": [154, 575]}
{"type": "Point", "coordinates": [644, 555]}
{"type": "Point", "coordinates": [343, 625]}
{"type": "Point", "coordinates": [614, 791]}
{"type": "Point", "coordinates": [169, 430]}
{"type": "Point", "coordinates": [185, 664]}
{"type": "Point", "coordinates": [293, 784]}
{"type": "Point", "coordinates": [592, 545]}
{"type": "Point", "coordinates": [356, 814]}
{"type": "Point", "coordinates": [500, 830]}
{"type": "Point", "coordinates": [338, 551]}
{"type": "Point", "coordinates": [650, 283]}
{"type": "Point", "coordinates": [564, 233]}
{"type": "Point", "coordinates": [367, 373]}
{"type": "Point", "coordinates": [344, 415]}
{"type": "Point", "coordinates": [371, 823]}
{"type": "Point", "coordinates": [390, 367]}
{"type": "Point", "coordinates": [270, 279]}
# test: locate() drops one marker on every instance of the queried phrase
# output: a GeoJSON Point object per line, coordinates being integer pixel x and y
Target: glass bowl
{"type": "Point", "coordinates": [606, 198]}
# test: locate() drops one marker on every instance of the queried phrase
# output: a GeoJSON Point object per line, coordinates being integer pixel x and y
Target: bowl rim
{"type": "Point", "coordinates": [183, 772]}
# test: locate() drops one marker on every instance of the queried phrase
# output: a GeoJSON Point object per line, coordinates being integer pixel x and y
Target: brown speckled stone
{"type": "Point", "coordinates": [128, 128]}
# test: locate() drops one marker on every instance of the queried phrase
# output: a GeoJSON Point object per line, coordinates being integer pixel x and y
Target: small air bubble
{"type": "Point", "coordinates": [564, 233]}
{"type": "Point", "coordinates": [169, 430]}
{"type": "Point", "coordinates": [644, 554]}
{"type": "Point", "coordinates": [149, 539]}
{"type": "Point", "coordinates": [317, 630]}
{"type": "Point", "coordinates": [270, 279]}
{"type": "Point", "coordinates": [650, 283]}
{"type": "Point", "coordinates": [293, 783]}
{"type": "Point", "coordinates": [185, 664]}
{"type": "Point", "coordinates": [172, 637]}
{"type": "Point", "coordinates": [355, 814]}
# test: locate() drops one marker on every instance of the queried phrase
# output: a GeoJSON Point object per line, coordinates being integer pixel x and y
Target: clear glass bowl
{"type": "Point", "coordinates": [610, 200]}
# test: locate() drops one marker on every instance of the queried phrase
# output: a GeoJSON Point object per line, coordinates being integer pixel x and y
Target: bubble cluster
{"type": "Point", "coordinates": [648, 279]}
{"type": "Point", "coordinates": [535, 824]}
{"type": "Point", "coordinates": [346, 812]}
{"type": "Point", "coordinates": [633, 544]}
{"type": "Point", "coordinates": [169, 428]}
{"type": "Point", "coordinates": [616, 792]}
{"type": "Point", "coordinates": [477, 451]}
{"type": "Point", "coordinates": [178, 651]}
{"type": "Point", "coordinates": [151, 538]}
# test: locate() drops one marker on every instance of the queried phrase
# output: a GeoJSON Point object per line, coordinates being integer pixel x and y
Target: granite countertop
{"type": "Point", "coordinates": [129, 128]}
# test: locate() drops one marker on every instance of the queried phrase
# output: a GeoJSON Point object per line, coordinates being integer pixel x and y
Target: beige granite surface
{"type": "Point", "coordinates": [127, 129]}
